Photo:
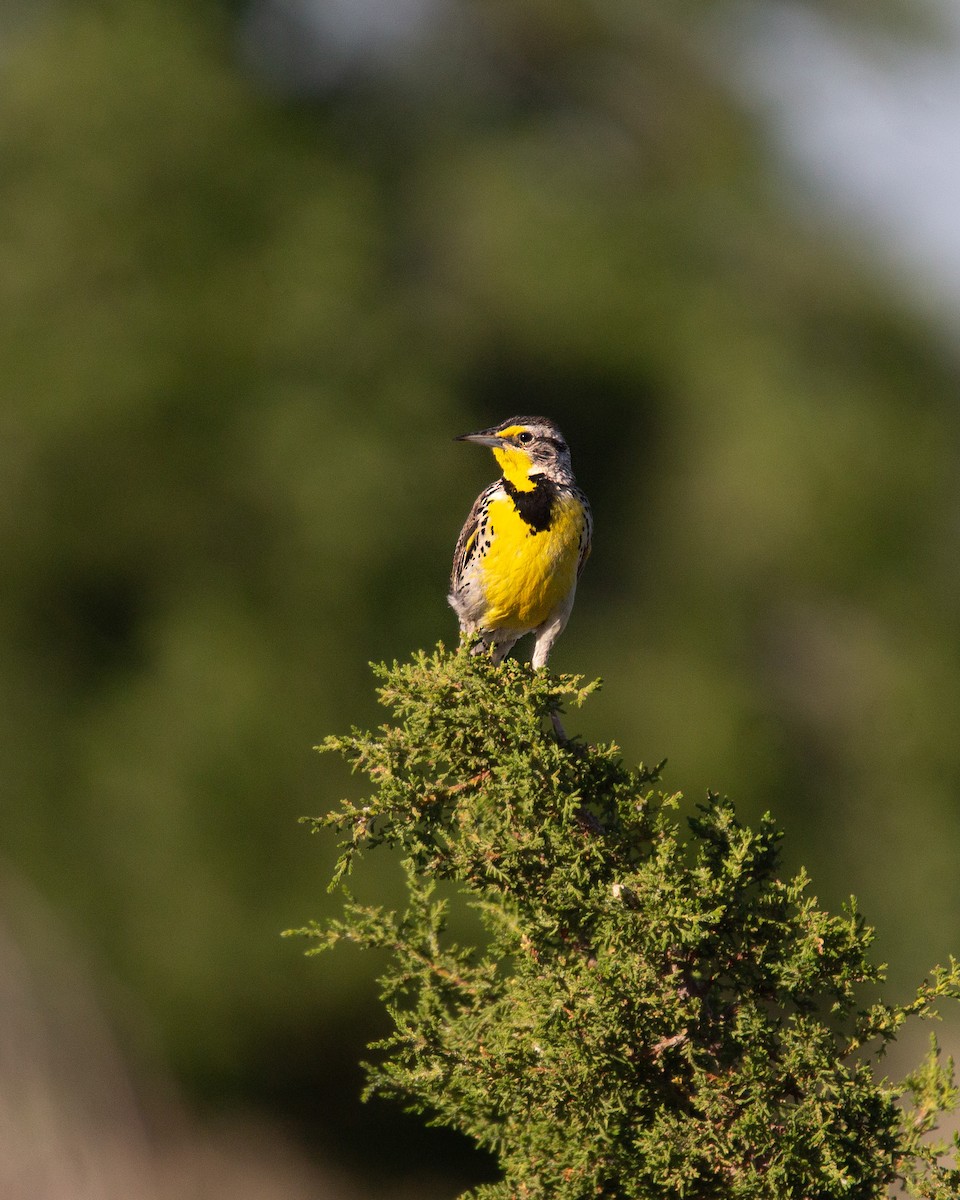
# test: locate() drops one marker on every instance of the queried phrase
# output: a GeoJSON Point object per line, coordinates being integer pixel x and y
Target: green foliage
{"type": "Point", "coordinates": [650, 1012]}
{"type": "Point", "coordinates": [237, 332]}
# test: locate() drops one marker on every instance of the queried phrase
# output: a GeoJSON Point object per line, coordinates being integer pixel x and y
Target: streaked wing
{"type": "Point", "coordinates": [586, 537]}
{"type": "Point", "coordinates": [467, 541]}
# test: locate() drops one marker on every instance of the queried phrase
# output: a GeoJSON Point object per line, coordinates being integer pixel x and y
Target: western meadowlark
{"type": "Point", "coordinates": [523, 546]}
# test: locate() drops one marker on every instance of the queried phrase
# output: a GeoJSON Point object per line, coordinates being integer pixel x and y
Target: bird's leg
{"type": "Point", "coordinates": [502, 649]}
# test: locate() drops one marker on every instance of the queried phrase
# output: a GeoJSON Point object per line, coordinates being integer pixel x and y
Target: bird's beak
{"type": "Point", "coordinates": [484, 438]}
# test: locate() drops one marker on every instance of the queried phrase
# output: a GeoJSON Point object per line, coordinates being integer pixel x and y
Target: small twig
{"type": "Point", "coordinates": [668, 1043]}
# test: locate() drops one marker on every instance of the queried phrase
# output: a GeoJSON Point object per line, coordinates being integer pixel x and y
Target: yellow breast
{"type": "Point", "coordinates": [527, 574]}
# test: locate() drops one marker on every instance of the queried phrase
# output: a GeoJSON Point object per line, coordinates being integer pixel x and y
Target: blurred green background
{"type": "Point", "coordinates": [252, 282]}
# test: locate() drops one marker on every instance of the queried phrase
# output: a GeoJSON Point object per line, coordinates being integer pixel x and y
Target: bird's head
{"type": "Point", "coordinates": [526, 447]}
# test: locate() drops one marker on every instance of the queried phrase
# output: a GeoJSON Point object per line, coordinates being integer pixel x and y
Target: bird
{"type": "Point", "coordinates": [524, 544]}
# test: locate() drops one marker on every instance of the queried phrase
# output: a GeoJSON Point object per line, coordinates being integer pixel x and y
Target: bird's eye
{"type": "Point", "coordinates": [525, 438]}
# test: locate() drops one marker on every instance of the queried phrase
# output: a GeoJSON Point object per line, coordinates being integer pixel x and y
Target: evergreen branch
{"type": "Point", "coordinates": [649, 1013]}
